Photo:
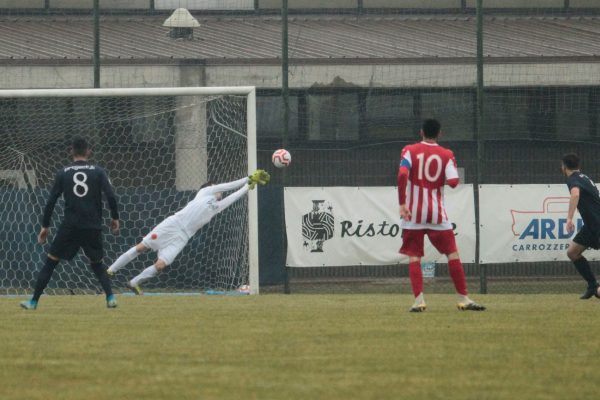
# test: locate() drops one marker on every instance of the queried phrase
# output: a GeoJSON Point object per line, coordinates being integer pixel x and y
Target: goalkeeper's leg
{"type": "Point", "coordinates": [126, 258]}
{"type": "Point", "coordinates": [148, 273]}
{"type": "Point", "coordinates": [166, 256]}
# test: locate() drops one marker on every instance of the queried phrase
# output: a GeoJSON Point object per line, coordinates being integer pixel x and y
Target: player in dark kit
{"type": "Point", "coordinates": [81, 185]}
{"type": "Point", "coordinates": [586, 199]}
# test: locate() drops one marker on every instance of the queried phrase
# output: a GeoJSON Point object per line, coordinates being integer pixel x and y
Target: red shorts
{"type": "Point", "coordinates": [413, 241]}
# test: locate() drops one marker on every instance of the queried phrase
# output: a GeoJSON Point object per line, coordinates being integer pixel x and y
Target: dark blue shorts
{"type": "Point", "coordinates": [588, 238]}
{"type": "Point", "coordinates": [69, 240]}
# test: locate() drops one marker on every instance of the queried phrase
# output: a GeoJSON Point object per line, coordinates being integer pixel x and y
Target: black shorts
{"type": "Point", "coordinates": [69, 239]}
{"type": "Point", "coordinates": [588, 238]}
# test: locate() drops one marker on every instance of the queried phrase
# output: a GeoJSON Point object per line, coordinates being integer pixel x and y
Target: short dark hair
{"type": "Point", "coordinates": [571, 161]}
{"type": "Point", "coordinates": [80, 146]}
{"type": "Point", "coordinates": [206, 184]}
{"type": "Point", "coordinates": [431, 128]}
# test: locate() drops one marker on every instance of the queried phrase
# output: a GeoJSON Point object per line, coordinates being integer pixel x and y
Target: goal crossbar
{"type": "Point", "coordinates": [123, 92]}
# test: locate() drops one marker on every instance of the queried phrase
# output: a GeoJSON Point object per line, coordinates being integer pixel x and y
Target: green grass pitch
{"type": "Point", "coordinates": [299, 347]}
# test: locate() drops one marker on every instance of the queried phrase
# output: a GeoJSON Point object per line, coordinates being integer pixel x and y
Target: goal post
{"type": "Point", "coordinates": [158, 145]}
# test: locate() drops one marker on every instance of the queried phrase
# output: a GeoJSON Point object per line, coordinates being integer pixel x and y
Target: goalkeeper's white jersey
{"type": "Point", "coordinates": [205, 205]}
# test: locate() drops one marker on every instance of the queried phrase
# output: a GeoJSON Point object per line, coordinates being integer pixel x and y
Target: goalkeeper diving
{"type": "Point", "coordinates": [170, 236]}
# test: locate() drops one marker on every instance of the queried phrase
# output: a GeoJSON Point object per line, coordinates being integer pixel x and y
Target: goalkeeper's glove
{"type": "Point", "coordinates": [260, 177]}
{"type": "Point", "coordinates": [264, 177]}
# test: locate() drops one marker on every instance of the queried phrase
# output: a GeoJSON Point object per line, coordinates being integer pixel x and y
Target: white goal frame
{"type": "Point", "coordinates": [248, 91]}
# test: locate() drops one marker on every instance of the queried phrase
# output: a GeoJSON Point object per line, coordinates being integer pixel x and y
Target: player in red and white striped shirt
{"type": "Point", "coordinates": [425, 168]}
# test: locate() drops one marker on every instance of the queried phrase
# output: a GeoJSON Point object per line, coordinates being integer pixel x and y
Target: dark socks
{"type": "Point", "coordinates": [583, 267]}
{"type": "Point", "coordinates": [44, 277]}
{"type": "Point", "coordinates": [102, 276]}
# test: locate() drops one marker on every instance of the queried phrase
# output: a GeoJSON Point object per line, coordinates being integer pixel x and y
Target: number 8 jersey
{"type": "Point", "coordinates": [82, 185]}
{"type": "Point", "coordinates": [428, 167]}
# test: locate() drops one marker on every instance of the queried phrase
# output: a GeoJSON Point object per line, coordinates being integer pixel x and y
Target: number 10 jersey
{"type": "Point", "coordinates": [430, 167]}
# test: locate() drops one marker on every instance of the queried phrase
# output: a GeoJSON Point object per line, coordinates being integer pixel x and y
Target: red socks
{"type": "Point", "coordinates": [457, 273]}
{"type": "Point", "coordinates": [416, 277]}
{"type": "Point", "coordinates": [455, 269]}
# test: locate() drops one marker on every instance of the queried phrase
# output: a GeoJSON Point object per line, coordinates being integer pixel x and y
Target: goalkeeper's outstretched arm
{"type": "Point", "coordinates": [224, 187]}
{"type": "Point", "coordinates": [232, 198]}
{"type": "Point", "coordinates": [258, 177]}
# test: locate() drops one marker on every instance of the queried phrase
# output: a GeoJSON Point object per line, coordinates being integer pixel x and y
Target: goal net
{"type": "Point", "coordinates": [158, 146]}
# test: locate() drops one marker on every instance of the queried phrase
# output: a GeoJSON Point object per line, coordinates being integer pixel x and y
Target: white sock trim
{"type": "Point", "coordinates": [420, 299]}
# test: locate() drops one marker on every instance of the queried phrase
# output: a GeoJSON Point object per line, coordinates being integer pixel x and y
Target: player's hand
{"type": "Point", "coordinates": [255, 177]}
{"type": "Point", "coordinates": [263, 177]}
{"type": "Point", "coordinates": [252, 185]}
{"type": "Point", "coordinates": [260, 177]}
{"type": "Point", "coordinates": [115, 225]}
{"type": "Point", "coordinates": [570, 226]}
{"type": "Point", "coordinates": [43, 236]}
{"type": "Point", "coordinates": [405, 213]}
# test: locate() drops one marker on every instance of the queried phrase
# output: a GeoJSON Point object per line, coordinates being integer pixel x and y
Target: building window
{"type": "Point", "coordinates": [152, 117]}
{"type": "Point", "coordinates": [505, 114]}
{"type": "Point", "coordinates": [391, 116]}
{"type": "Point", "coordinates": [541, 118]}
{"type": "Point", "coordinates": [594, 111]}
{"type": "Point", "coordinates": [269, 117]}
{"type": "Point", "coordinates": [137, 120]}
{"type": "Point", "coordinates": [333, 116]}
{"type": "Point", "coordinates": [572, 113]}
{"type": "Point", "coordinates": [454, 108]}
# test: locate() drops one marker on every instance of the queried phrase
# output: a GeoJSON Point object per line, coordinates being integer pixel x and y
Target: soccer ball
{"type": "Point", "coordinates": [281, 158]}
{"type": "Point", "coordinates": [244, 289]}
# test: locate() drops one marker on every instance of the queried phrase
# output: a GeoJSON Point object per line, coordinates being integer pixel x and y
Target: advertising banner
{"type": "Point", "coordinates": [525, 223]}
{"type": "Point", "coordinates": [344, 226]}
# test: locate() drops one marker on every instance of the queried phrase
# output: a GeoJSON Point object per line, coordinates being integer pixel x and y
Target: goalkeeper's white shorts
{"type": "Point", "coordinates": [167, 238]}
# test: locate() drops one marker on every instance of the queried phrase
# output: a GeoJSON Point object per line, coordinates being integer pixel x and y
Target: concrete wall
{"type": "Point", "coordinates": [585, 3]}
{"type": "Point", "coordinates": [76, 4]}
{"type": "Point", "coordinates": [112, 4]}
{"type": "Point", "coordinates": [204, 4]}
{"type": "Point", "coordinates": [173, 4]}
{"type": "Point", "coordinates": [518, 3]}
{"type": "Point", "coordinates": [412, 4]}
{"type": "Point", "coordinates": [41, 77]}
{"type": "Point", "coordinates": [304, 76]}
{"type": "Point", "coordinates": [21, 3]}
{"type": "Point", "coordinates": [429, 75]}
{"type": "Point", "coordinates": [293, 4]}
{"type": "Point", "coordinates": [191, 153]}
{"type": "Point", "coordinates": [266, 4]}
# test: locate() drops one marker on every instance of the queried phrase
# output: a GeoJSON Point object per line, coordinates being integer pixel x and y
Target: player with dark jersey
{"type": "Point", "coordinates": [586, 199]}
{"type": "Point", "coordinates": [81, 184]}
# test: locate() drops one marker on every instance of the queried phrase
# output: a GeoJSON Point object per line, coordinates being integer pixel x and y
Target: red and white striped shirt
{"type": "Point", "coordinates": [429, 167]}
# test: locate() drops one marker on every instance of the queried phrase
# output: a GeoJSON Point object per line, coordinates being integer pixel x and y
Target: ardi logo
{"type": "Point", "coordinates": [317, 226]}
{"type": "Point", "coordinates": [549, 222]}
